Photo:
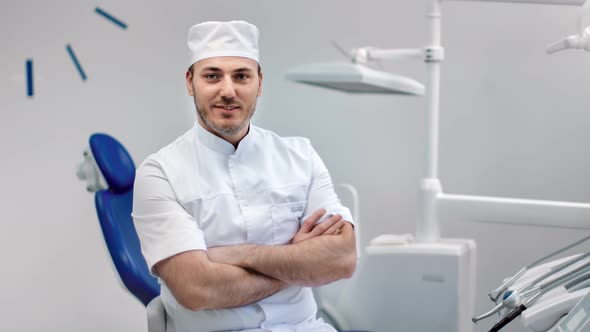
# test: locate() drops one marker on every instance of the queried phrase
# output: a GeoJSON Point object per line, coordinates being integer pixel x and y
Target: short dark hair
{"type": "Point", "coordinates": [191, 69]}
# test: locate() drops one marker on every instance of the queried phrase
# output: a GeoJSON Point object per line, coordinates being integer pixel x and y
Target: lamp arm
{"type": "Point", "coordinates": [394, 54]}
{"type": "Point", "coordinates": [513, 211]}
{"type": "Point", "coordinates": [431, 196]}
{"type": "Point", "coordinates": [541, 2]}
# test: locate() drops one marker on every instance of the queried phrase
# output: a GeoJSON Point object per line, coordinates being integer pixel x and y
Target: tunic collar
{"type": "Point", "coordinates": [217, 143]}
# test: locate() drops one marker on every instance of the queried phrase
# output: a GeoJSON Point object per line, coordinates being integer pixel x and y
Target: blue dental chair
{"type": "Point", "coordinates": [109, 171]}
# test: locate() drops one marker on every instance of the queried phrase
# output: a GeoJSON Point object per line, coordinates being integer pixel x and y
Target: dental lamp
{"type": "Point", "coordinates": [355, 78]}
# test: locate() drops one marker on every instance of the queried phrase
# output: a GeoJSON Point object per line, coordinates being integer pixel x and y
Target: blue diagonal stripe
{"type": "Point", "coordinates": [111, 18]}
{"type": "Point", "coordinates": [29, 69]}
{"type": "Point", "coordinates": [75, 61]}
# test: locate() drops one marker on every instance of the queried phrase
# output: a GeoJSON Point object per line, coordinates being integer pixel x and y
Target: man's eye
{"type": "Point", "coordinates": [241, 77]}
{"type": "Point", "coordinates": [211, 76]}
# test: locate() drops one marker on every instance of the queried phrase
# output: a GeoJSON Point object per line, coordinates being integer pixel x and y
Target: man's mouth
{"type": "Point", "coordinates": [228, 107]}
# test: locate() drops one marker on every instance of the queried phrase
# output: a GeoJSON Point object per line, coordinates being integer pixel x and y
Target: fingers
{"type": "Point", "coordinates": [321, 228]}
{"type": "Point", "coordinates": [308, 224]}
{"type": "Point", "coordinates": [335, 229]}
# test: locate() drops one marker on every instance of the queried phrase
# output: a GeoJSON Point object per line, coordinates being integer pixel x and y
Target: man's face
{"type": "Point", "coordinates": [225, 90]}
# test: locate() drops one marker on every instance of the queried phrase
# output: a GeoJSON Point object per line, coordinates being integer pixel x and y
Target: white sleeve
{"type": "Point", "coordinates": [163, 226]}
{"type": "Point", "coordinates": [321, 192]}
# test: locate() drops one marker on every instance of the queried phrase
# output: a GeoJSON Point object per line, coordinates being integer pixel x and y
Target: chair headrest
{"type": "Point", "coordinates": [114, 162]}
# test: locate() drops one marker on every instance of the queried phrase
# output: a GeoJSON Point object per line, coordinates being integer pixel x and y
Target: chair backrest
{"type": "Point", "coordinates": [113, 206]}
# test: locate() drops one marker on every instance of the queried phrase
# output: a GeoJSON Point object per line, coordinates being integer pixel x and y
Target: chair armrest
{"type": "Point", "coordinates": [156, 315]}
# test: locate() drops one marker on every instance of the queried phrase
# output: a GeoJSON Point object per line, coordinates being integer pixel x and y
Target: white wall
{"type": "Point", "coordinates": [512, 124]}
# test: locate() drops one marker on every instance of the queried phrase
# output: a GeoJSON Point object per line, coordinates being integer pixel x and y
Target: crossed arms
{"type": "Point", "coordinates": [233, 276]}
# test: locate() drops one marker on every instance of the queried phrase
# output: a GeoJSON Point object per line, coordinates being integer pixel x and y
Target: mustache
{"type": "Point", "coordinates": [228, 101]}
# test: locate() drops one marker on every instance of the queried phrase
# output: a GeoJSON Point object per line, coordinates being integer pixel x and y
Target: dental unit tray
{"type": "Point", "coordinates": [577, 320]}
{"type": "Point", "coordinates": [544, 313]}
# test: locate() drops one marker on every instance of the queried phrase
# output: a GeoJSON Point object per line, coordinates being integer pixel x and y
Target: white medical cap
{"type": "Point", "coordinates": [213, 39]}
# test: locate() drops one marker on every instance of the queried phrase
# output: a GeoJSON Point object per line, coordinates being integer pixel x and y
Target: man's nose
{"type": "Point", "coordinates": [227, 89]}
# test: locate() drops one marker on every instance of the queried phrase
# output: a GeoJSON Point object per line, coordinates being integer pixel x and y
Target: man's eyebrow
{"type": "Point", "coordinates": [216, 69]}
{"type": "Point", "coordinates": [243, 69]}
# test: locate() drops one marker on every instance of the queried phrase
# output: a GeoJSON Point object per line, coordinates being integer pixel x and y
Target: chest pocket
{"type": "Point", "coordinates": [286, 219]}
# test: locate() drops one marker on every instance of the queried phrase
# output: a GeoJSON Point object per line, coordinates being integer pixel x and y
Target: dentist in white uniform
{"type": "Point", "coordinates": [235, 221]}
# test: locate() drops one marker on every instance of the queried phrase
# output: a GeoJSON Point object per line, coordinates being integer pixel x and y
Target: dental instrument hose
{"type": "Point", "coordinates": [514, 313]}
{"type": "Point", "coordinates": [571, 276]}
{"type": "Point", "coordinates": [494, 294]}
{"type": "Point", "coordinates": [510, 317]}
{"type": "Point", "coordinates": [569, 246]}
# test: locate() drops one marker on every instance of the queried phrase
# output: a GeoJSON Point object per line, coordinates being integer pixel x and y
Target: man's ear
{"type": "Point", "coordinates": [189, 83]}
{"type": "Point", "coordinates": [259, 83]}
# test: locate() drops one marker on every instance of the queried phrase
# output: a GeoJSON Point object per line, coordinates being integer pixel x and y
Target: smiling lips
{"type": "Point", "coordinates": [227, 107]}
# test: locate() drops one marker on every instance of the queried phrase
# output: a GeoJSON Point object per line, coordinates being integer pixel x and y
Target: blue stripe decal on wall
{"type": "Point", "coordinates": [111, 18]}
{"type": "Point", "coordinates": [29, 69]}
{"type": "Point", "coordinates": [75, 60]}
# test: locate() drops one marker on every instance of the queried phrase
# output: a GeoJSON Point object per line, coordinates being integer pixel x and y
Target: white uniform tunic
{"type": "Point", "coordinates": [201, 192]}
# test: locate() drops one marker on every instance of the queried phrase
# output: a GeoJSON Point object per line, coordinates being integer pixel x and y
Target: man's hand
{"type": "Point", "coordinates": [235, 254]}
{"type": "Point", "coordinates": [310, 259]}
{"type": "Point", "coordinates": [309, 229]}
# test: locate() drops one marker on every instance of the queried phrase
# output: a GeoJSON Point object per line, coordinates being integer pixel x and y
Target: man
{"type": "Point", "coordinates": [218, 211]}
